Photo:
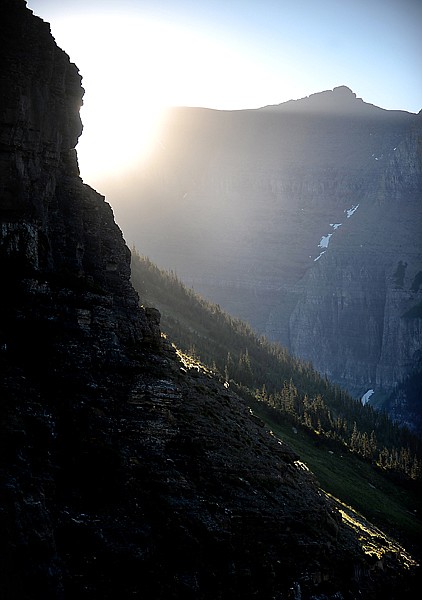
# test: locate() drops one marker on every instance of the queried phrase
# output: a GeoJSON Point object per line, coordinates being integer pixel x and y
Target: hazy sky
{"type": "Point", "coordinates": [137, 56]}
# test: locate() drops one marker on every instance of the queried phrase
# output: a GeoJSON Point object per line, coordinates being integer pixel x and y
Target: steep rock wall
{"type": "Point", "coordinates": [56, 230]}
{"type": "Point", "coordinates": [297, 218]}
{"type": "Point", "coordinates": [358, 318]}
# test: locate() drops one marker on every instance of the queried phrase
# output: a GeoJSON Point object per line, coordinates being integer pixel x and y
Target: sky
{"type": "Point", "coordinates": [137, 57]}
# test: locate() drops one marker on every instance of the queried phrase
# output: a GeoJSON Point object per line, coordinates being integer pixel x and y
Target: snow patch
{"type": "Point", "coordinates": [366, 396]}
{"type": "Point", "coordinates": [320, 254]}
{"type": "Point", "coordinates": [325, 241]}
{"type": "Point", "coordinates": [350, 211]}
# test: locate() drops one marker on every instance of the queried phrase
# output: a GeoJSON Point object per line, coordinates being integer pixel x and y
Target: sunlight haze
{"type": "Point", "coordinates": [138, 57]}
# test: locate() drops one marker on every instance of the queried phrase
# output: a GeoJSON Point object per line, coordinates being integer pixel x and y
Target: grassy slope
{"type": "Point", "coordinates": [355, 482]}
{"type": "Point", "coordinates": [389, 504]}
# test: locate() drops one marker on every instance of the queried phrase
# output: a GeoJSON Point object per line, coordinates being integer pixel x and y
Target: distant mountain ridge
{"type": "Point", "coordinates": [298, 218]}
{"type": "Point", "coordinates": [339, 101]}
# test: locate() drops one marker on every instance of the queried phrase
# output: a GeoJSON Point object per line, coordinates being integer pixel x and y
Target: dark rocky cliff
{"type": "Point", "coordinates": [123, 472]}
{"type": "Point", "coordinates": [57, 231]}
{"type": "Point", "coordinates": [305, 220]}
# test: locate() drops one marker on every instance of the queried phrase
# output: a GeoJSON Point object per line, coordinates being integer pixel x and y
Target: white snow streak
{"type": "Point", "coordinates": [366, 396]}
{"type": "Point", "coordinates": [325, 240]}
{"type": "Point", "coordinates": [350, 211]}
{"type": "Point", "coordinates": [320, 254]}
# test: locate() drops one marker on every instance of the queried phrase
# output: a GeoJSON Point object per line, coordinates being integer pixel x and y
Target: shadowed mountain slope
{"type": "Point", "coordinates": [350, 446]}
{"type": "Point", "coordinates": [123, 472]}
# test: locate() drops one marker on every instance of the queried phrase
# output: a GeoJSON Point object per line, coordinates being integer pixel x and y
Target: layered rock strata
{"type": "Point", "coordinates": [303, 219]}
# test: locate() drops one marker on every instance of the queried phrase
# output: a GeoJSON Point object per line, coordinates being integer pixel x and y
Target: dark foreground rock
{"type": "Point", "coordinates": [123, 471]}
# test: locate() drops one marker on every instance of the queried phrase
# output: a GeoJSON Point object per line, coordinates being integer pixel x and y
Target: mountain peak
{"type": "Point", "coordinates": [340, 100]}
{"type": "Point", "coordinates": [339, 95]}
{"type": "Point", "coordinates": [344, 91]}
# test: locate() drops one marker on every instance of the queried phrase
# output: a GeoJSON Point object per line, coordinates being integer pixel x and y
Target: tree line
{"type": "Point", "coordinates": [272, 376]}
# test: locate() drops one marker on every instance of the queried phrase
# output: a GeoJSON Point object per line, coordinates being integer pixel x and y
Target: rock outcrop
{"type": "Point", "coordinates": [303, 219]}
{"type": "Point", "coordinates": [55, 229]}
{"type": "Point", "coordinates": [123, 472]}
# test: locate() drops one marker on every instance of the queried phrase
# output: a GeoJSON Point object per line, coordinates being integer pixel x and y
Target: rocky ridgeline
{"type": "Point", "coordinates": [123, 471]}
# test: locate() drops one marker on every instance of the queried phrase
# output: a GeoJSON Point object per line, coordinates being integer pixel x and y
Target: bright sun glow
{"type": "Point", "coordinates": [125, 70]}
{"type": "Point", "coordinates": [132, 70]}
{"type": "Point", "coordinates": [138, 56]}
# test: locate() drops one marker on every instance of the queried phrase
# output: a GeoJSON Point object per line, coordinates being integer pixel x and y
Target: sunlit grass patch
{"type": "Point", "coordinates": [374, 542]}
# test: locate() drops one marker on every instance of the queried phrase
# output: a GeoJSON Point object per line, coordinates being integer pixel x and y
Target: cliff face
{"type": "Point", "coordinates": [358, 315]}
{"type": "Point", "coordinates": [57, 231]}
{"type": "Point", "coordinates": [123, 472]}
{"type": "Point", "coordinates": [303, 219]}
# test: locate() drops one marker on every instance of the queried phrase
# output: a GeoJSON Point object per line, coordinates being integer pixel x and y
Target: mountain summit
{"type": "Point", "coordinates": [339, 101]}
